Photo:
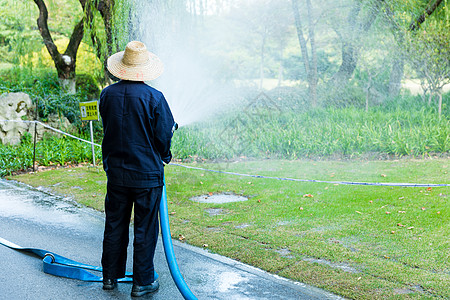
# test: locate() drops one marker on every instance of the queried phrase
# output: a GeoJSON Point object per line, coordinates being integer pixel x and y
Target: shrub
{"type": "Point", "coordinates": [87, 86]}
{"type": "Point", "coordinates": [50, 151]}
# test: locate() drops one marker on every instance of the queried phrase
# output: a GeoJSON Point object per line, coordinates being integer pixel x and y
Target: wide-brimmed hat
{"type": "Point", "coordinates": [136, 63]}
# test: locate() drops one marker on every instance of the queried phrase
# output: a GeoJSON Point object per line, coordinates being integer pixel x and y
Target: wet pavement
{"type": "Point", "coordinates": [34, 218]}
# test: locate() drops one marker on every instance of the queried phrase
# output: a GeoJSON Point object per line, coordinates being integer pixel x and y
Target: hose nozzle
{"type": "Point", "coordinates": [175, 127]}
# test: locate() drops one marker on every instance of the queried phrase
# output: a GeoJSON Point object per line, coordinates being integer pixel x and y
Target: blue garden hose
{"type": "Point", "coordinates": [58, 265]}
{"type": "Point", "coordinates": [168, 248]}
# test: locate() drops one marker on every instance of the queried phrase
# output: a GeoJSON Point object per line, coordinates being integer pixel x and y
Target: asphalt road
{"type": "Point", "coordinates": [33, 218]}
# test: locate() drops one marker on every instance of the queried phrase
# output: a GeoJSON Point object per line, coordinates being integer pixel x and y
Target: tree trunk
{"type": "Point", "coordinates": [313, 80]}
{"type": "Point", "coordinates": [439, 94]}
{"type": "Point", "coordinates": [105, 7]}
{"type": "Point", "coordinates": [68, 85]}
{"type": "Point", "coordinates": [397, 71]}
{"type": "Point", "coordinates": [348, 51]}
{"type": "Point", "coordinates": [350, 46]}
{"type": "Point", "coordinates": [261, 63]}
{"type": "Point", "coordinates": [280, 67]}
{"type": "Point", "coordinates": [348, 65]}
{"type": "Point", "coordinates": [367, 97]}
{"type": "Point", "coordinates": [280, 75]}
{"type": "Point", "coordinates": [395, 79]}
{"type": "Point", "coordinates": [301, 38]}
{"type": "Point", "coordinates": [310, 66]}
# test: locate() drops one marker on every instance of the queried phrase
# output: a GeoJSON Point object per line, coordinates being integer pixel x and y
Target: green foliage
{"type": "Point", "coordinates": [17, 37]}
{"type": "Point", "coordinates": [294, 68]}
{"type": "Point", "coordinates": [351, 95]}
{"type": "Point", "coordinates": [119, 27]}
{"type": "Point", "coordinates": [88, 86]}
{"type": "Point", "coordinates": [13, 158]}
{"type": "Point", "coordinates": [51, 150]}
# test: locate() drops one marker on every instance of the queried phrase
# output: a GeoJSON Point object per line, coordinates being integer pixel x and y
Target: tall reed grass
{"type": "Point", "coordinates": [318, 133]}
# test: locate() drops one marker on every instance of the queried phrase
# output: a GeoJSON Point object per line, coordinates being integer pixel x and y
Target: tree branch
{"type": "Point", "coordinates": [75, 40]}
{"type": "Point", "coordinates": [45, 32]}
{"type": "Point", "coordinates": [415, 25]}
{"type": "Point", "coordinates": [105, 8]}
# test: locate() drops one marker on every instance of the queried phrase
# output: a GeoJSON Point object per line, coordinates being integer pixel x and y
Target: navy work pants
{"type": "Point", "coordinates": [118, 205]}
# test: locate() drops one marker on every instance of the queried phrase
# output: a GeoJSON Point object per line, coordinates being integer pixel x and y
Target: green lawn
{"type": "Point", "coordinates": [367, 242]}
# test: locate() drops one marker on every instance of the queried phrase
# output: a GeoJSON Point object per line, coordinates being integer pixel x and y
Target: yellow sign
{"type": "Point", "coordinates": [89, 111]}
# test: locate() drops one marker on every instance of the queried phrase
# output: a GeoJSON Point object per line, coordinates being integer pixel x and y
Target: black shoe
{"type": "Point", "coordinates": [109, 284]}
{"type": "Point", "coordinates": [141, 290]}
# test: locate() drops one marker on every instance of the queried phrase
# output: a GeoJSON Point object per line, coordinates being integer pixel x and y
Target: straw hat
{"type": "Point", "coordinates": [135, 63]}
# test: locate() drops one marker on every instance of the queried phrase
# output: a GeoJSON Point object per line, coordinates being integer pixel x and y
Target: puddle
{"type": "Point", "coordinates": [214, 229]}
{"type": "Point", "coordinates": [215, 211]}
{"type": "Point", "coordinates": [230, 280]}
{"type": "Point", "coordinates": [285, 223]}
{"type": "Point", "coordinates": [284, 252]}
{"type": "Point", "coordinates": [19, 201]}
{"type": "Point", "coordinates": [402, 291]}
{"type": "Point", "coordinates": [219, 198]}
{"type": "Point", "coordinates": [242, 226]}
{"type": "Point", "coordinates": [343, 266]}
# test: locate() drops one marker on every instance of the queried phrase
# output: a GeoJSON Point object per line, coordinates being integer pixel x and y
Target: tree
{"type": "Point", "coordinates": [269, 21]}
{"type": "Point", "coordinates": [401, 26]}
{"type": "Point", "coordinates": [65, 63]}
{"type": "Point", "coordinates": [350, 37]}
{"type": "Point", "coordinates": [424, 41]}
{"type": "Point", "coordinates": [398, 64]}
{"type": "Point", "coordinates": [429, 53]}
{"type": "Point", "coordinates": [309, 64]}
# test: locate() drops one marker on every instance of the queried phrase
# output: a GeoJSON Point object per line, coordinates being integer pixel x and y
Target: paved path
{"type": "Point", "coordinates": [32, 218]}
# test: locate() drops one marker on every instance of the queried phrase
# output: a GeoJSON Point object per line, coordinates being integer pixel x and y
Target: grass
{"type": "Point", "coordinates": [361, 242]}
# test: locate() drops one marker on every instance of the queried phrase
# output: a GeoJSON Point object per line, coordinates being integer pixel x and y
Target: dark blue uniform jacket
{"type": "Point", "coordinates": [137, 126]}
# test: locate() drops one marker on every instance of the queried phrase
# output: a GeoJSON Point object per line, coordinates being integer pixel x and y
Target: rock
{"type": "Point", "coordinates": [13, 106]}
{"type": "Point", "coordinates": [16, 108]}
{"type": "Point", "coordinates": [60, 122]}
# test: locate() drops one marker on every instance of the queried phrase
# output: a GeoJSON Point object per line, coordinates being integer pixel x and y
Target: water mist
{"type": "Point", "coordinates": [188, 82]}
